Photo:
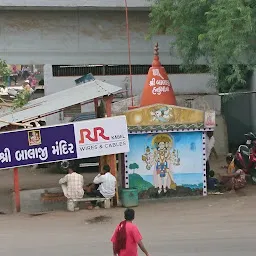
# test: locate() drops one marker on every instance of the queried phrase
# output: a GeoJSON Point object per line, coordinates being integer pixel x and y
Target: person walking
{"type": "Point", "coordinates": [127, 238]}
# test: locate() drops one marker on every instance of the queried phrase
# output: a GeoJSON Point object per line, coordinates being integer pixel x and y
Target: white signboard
{"type": "Point", "coordinates": [102, 136]}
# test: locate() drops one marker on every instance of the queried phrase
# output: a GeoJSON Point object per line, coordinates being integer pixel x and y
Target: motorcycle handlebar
{"type": "Point", "coordinates": [250, 136]}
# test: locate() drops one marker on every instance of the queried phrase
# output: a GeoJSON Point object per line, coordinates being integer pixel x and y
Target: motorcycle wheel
{"type": "Point", "coordinates": [253, 177]}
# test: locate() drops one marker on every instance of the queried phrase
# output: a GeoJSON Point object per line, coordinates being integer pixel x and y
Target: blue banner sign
{"type": "Point", "coordinates": [103, 136]}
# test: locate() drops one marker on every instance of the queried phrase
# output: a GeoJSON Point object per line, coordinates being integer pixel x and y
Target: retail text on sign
{"type": "Point", "coordinates": [96, 137]}
{"type": "Point", "coordinates": [97, 132]}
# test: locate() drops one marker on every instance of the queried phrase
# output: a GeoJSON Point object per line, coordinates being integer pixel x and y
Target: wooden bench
{"type": "Point", "coordinates": [72, 203]}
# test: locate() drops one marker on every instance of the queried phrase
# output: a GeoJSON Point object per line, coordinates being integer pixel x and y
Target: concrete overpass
{"type": "Point", "coordinates": [81, 4]}
{"type": "Point", "coordinates": [77, 32]}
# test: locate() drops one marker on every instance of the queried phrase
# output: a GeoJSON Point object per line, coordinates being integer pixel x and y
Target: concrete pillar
{"type": "Point", "coordinates": [48, 75]}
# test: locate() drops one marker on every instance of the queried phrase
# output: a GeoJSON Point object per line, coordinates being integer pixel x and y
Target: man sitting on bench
{"type": "Point", "coordinates": [104, 186]}
{"type": "Point", "coordinates": [72, 185]}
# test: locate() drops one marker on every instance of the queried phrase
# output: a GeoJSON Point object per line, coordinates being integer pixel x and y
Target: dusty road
{"type": "Point", "coordinates": [216, 225]}
{"type": "Point", "coordinates": [208, 227]}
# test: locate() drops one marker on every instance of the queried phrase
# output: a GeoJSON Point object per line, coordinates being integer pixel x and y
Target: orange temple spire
{"type": "Point", "coordinates": [157, 88]}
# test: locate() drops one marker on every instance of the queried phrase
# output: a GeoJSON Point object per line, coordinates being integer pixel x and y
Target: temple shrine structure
{"type": "Point", "coordinates": [167, 142]}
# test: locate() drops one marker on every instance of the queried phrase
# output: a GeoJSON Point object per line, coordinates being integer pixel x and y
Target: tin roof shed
{"type": "Point", "coordinates": [56, 102]}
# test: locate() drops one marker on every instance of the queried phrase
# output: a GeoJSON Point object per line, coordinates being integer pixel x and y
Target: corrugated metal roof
{"type": "Point", "coordinates": [55, 102]}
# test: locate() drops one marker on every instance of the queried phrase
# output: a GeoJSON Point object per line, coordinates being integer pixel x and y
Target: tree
{"type": "Point", "coordinates": [4, 72]}
{"type": "Point", "coordinates": [220, 32]}
{"type": "Point", "coordinates": [133, 167]}
{"type": "Point", "coordinates": [21, 99]}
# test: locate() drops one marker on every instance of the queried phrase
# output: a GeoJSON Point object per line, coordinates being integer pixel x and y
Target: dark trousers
{"type": "Point", "coordinates": [95, 193]}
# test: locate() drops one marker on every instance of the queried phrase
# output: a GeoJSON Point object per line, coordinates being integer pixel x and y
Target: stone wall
{"type": "Point", "coordinates": [31, 201]}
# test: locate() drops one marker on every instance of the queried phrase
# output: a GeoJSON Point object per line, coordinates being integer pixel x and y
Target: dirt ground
{"type": "Point", "coordinates": [210, 226]}
{"type": "Point", "coordinates": [46, 178]}
{"type": "Point", "coordinates": [207, 226]}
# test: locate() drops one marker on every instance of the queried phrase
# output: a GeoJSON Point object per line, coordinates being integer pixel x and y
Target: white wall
{"type": "Point", "coordinates": [182, 83]}
{"type": "Point", "coordinates": [221, 136]}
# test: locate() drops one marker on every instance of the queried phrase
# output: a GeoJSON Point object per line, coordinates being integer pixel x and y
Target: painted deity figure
{"type": "Point", "coordinates": [147, 158]}
{"type": "Point", "coordinates": [209, 119]}
{"type": "Point", "coordinates": [164, 159]}
{"type": "Point", "coordinates": [175, 157]}
{"type": "Point", "coordinates": [34, 138]}
{"type": "Point", "coordinates": [161, 157]}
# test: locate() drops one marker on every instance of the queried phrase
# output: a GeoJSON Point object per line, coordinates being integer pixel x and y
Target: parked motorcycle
{"type": "Point", "coordinates": [246, 155]}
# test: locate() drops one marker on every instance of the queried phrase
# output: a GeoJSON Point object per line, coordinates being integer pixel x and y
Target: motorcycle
{"type": "Point", "coordinates": [246, 155]}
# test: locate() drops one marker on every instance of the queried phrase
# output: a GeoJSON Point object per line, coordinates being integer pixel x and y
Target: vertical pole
{"type": "Point", "coordinates": [108, 104]}
{"type": "Point", "coordinates": [111, 159]}
{"type": "Point", "coordinates": [16, 188]}
{"type": "Point", "coordinates": [129, 46]}
{"type": "Point", "coordinates": [96, 105]}
{"type": "Point", "coordinates": [96, 102]}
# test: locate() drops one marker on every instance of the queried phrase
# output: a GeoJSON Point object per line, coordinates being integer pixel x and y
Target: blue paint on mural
{"type": "Point", "coordinates": [166, 161]}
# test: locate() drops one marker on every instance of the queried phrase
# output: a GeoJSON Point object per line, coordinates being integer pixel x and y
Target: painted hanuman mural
{"type": "Point", "coordinates": [161, 159]}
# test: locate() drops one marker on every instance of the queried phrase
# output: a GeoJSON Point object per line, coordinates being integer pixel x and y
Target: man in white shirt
{"type": "Point", "coordinates": [72, 185]}
{"type": "Point", "coordinates": [104, 185]}
{"type": "Point", "coordinates": [209, 143]}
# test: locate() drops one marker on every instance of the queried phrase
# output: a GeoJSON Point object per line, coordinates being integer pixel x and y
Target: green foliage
{"type": "Point", "coordinates": [133, 166]}
{"type": "Point", "coordinates": [23, 96]}
{"type": "Point", "coordinates": [136, 181]}
{"type": "Point", "coordinates": [4, 71]}
{"type": "Point", "coordinates": [220, 32]}
{"type": "Point", "coordinates": [21, 99]}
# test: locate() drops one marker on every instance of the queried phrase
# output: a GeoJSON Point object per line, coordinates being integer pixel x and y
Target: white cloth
{"type": "Point", "coordinates": [72, 185]}
{"type": "Point", "coordinates": [209, 143]}
{"type": "Point", "coordinates": [107, 185]}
